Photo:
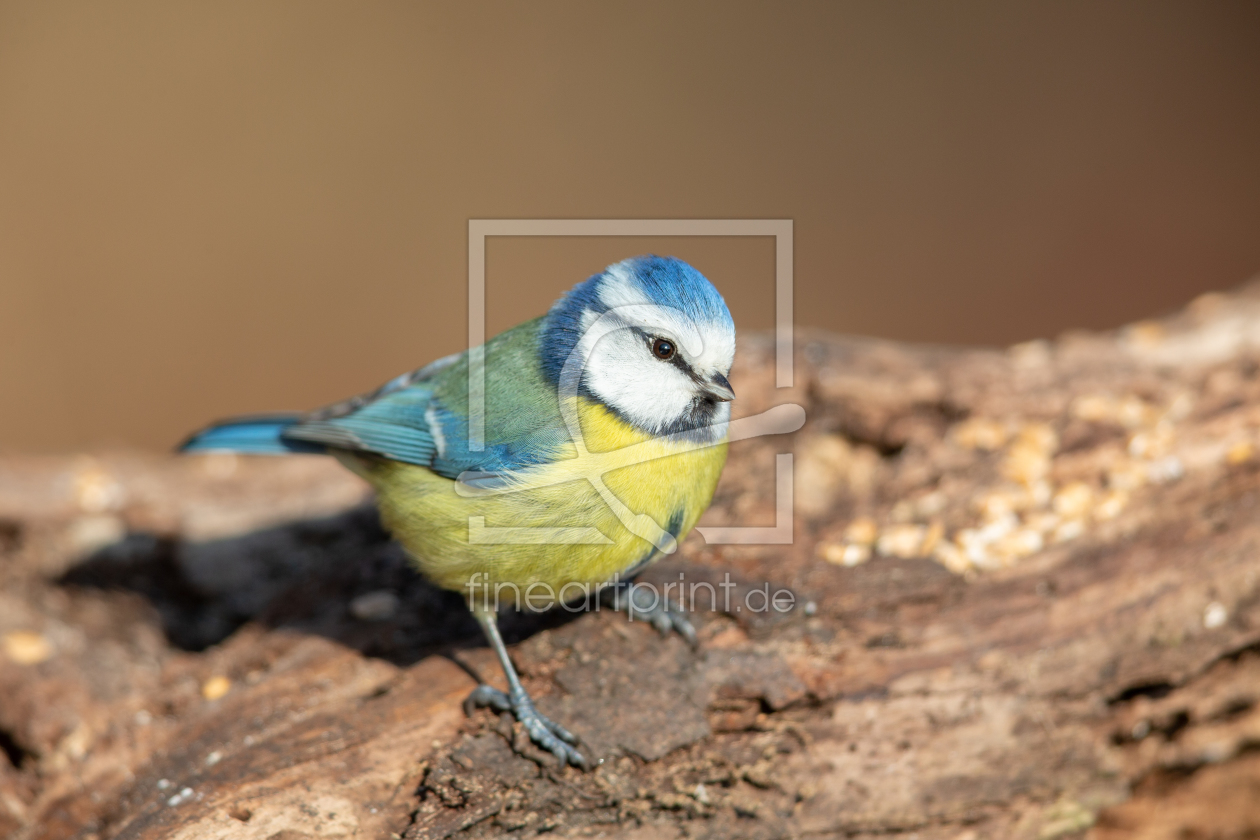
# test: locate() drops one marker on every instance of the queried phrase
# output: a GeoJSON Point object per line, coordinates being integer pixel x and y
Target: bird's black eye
{"type": "Point", "coordinates": [663, 349]}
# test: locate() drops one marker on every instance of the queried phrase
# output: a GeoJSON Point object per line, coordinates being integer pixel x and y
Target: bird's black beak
{"type": "Point", "coordinates": [718, 388]}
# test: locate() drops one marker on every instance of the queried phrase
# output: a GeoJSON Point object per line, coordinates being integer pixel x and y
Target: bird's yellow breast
{"type": "Point", "coordinates": [581, 519]}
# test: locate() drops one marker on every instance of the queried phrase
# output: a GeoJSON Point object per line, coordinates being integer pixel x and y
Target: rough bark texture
{"type": "Point", "coordinates": [1027, 604]}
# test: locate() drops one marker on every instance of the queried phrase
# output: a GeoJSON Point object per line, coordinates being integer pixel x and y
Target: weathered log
{"type": "Point", "coordinates": [1026, 590]}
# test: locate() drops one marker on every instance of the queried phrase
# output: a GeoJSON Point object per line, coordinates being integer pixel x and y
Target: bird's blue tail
{"type": "Point", "coordinates": [256, 435]}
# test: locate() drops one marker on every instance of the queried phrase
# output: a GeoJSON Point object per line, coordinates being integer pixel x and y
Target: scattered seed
{"type": "Point", "coordinates": [1111, 505]}
{"type": "Point", "coordinates": [1145, 334]}
{"type": "Point", "coordinates": [96, 491]}
{"type": "Point", "coordinates": [842, 554]}
{"type": "Point", "coordinates": [1093, 408]}
{"type": "Point", "coordinates": [1042, 522]}
{"type": "Point", "coordinates": [855, 555]}
{"type": "Point", "coordinates": [995, 505]}
{"type": "Point", "coordinates": [984, 559]}
{"type": "Point", "coordinates": [215, 687]}
{"type": "Point", "coordinates": [980, 433]}
{"type": "Point", "coordinates": [380, 605]}
{"type": "Point", "coordinates": [902, 541]}
{"type": "Point", "coordinates": [1039, 437]}
{"type": "Point", "coordinates": [1153, 443]}
{"type": "Point", "coordinates": [1073, 500]}
{"type": "Point", "coordinates": [1133, 412]}
{"type": "Point", "coordinates": [95, 531]}
{"type": "Point", "coordinates": [26, 647]}
{"type": "Point", "coordinates": [1165, 470]}
{"type": "Point", "coordinates": [933, 536]}
{"type": "Point", "coordinates": [1126, 477]}
{"type": "Point", "coordinates": [930, 504]}
{"type": "Point", "coordinates": [952, 557]}
{"type": "Point", "coordinates": [1069, 530]}
{"type": "Point", "coordinates": [1026, 463]}
{"type": "Point", "coordinates": [1240, 453]}
{"type": "Point", "coordinates": [861, 531]}
{"type": "Point", "coordinates": [1019, 544]}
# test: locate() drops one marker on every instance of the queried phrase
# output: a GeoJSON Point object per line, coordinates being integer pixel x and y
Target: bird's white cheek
{"type": "Point", "coordinates": [650, 395]}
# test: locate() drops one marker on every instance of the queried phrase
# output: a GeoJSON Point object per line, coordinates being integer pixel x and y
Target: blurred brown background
{"type": "Point", "coordinates": [236, 206]}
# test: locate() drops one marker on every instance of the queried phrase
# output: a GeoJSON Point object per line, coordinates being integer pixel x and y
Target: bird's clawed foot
{"type": "Point", "coordinates": [543, 731]}
{"type": "Point", "coordinates": [643, 603]}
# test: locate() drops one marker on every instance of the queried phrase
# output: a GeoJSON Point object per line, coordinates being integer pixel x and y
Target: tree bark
{"type": "Point", "coordinates": [1025, 590]}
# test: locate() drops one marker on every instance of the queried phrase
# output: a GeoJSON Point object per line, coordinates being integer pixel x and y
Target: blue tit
{"type": "Point", "coordinates": [598, 443]}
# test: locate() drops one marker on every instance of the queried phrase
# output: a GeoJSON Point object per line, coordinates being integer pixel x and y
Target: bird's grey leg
{"type": "Point", "coordinates": [644, 603]}
{"type": "Point", "coordinates": [546, 733]}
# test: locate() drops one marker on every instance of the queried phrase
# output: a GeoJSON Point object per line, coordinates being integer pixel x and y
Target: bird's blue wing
{"type": "Point", "coordinates": [393, 424]}
{"type": "Point", "coordinates": [395, 420]}
{"type": "Point", "coordinates": [414, 426]}
{"type": "Point", "coordinates": [261, 434]}
{"type": "Point", "coordinates": [421, 417]}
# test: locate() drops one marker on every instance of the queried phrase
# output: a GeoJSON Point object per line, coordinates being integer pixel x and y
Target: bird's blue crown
{"type": "Point", "coordinates": [664, 281]}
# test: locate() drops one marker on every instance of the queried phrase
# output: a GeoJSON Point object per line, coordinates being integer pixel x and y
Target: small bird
{"type": "Point", "coordinates": [592, 449]}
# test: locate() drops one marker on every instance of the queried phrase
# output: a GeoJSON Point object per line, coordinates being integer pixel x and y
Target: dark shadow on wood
{"type": "Point", "coordinates": [301, 575]}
